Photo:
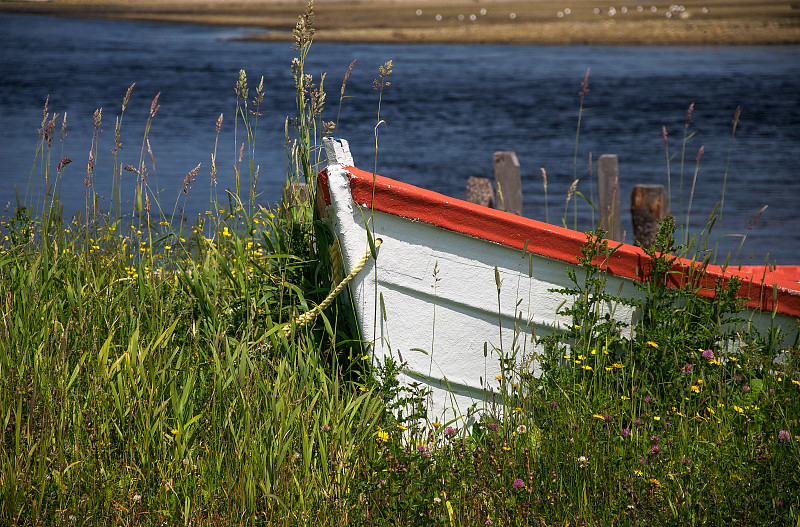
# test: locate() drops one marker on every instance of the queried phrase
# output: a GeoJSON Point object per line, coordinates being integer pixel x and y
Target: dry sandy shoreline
{"type": "Point", "coordinates": [698, 22]}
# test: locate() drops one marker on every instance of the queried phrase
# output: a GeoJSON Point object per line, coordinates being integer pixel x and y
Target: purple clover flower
{"type": "Point", "coordinates": [493, 426]}
{"type": "Point", "coordinates": [420, 448]}
{"type": "Point", "coordinates": [637, 422]}
{"type": "Point", "coordinates": [783, 436]}
{"type": "Point", "coordinates": [626, 432]}
{"type": "Point", "coordinates": [655, 450]}
{"type": "Point", "coordinates": [687, 369]}
{"type": "Point", "coordinates": [518, 484]}
{"type": "Point", "coordinates": [686, 461]}
{"type": "Point", "coordinates": [325, 428]}
{"type": "Point", "coordinates": [708, 355]}
{"type": "Point", "coordinates": [745, 388]}
{"type": "Point", "coordinates": [649, 399]}
{"type": "Point", "coordinates": [450, 431]}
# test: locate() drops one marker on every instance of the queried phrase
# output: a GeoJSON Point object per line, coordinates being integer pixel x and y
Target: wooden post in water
{"type": "Point", "coordinates": [649, 205]}
{"type": "Point", "coordinates": [608, 196]}
{"type": "Point", "coordinates": [508, 182]}
{"type": "Point", "coordinates": [479, 191]}
{"type": "Point", "coordinates": [295, 194]}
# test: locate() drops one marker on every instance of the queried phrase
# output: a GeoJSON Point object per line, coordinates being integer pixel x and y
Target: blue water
{"type": "Point", "coordinates": [447, 110]}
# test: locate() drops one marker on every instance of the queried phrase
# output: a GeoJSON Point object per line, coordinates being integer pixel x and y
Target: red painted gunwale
{"type": "Point", "coordinates": [417, 204]}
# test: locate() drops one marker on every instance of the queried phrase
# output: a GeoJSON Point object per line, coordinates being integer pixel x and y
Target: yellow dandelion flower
{"type": "Point", "coordinates": [498, 377]}
{"type": "Point", "coordinates": [365, 357]}
{"type": "Point", "coordinates": [599, 416]}
{"type": "Point", "coordinates": [655, 482]}
{"type": "Point", "coordinates": [174, 431]}
{"type": "Point", "coordinates": [587, 368]}
{"type": "Point", "coordinates": [638, 473]}
{"type": "Point", "coordinates": [656, 418]}
{"type": "Point", "coordinates": [695, 389]}
{"type": "Point", "coordinates": [609, 368]}
{"type": "Point", "coordinates": [795, 382]}
{"type": "Point", "coordinates": [624, 397]}
{"type": "Point", "coordinates": [652, 344]}
{"type": "Point", "coordinates": [738, 409]}
{"type": "Point", "coordinates": [617, 365]}
{"type": "Point", "coordinates": [436, 425]}
{"type": "Point", "coordinates": [582, 357]}
{"type": "Point", "coordinates": [401, 427]}
{"type": "Point", "coordinates": [383, 435]}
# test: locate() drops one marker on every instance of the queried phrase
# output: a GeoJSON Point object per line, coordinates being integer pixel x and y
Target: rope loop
{"type": "Point", "coordinates": [305, 318]}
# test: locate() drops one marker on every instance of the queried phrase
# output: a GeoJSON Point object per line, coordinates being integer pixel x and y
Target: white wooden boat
{"type": "Point", "coordinates": [431, 298]}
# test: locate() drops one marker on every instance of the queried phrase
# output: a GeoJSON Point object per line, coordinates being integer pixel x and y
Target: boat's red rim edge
{"type": "Point", "coordinates": [401, 199]}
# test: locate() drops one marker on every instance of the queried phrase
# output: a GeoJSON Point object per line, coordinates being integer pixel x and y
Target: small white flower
{"type": "Point", "coordinates": [521, 429]}
{"type": "Point", "coordinates": [137, 497]}
{"type": "Point", "coordinates": [437, 500]}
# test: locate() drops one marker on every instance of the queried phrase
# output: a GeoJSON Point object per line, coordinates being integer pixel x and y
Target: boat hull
{"type": "Point", "coordinates": [457, 289]}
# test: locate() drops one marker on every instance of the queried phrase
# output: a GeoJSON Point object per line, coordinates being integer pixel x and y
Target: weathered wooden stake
{"type": "Point", "coordinates": [295, 194]}
{"type": "Point", "coordinates": [479, 190]}
{"type": "Point", "coordinates": [608, 196]}
{"type": "Point", "coordinates": [649, 205]}
{"type": "Point", "coordinates": [508, 182]}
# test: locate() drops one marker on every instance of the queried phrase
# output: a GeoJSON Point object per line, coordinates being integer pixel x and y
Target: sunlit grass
{"type": "Point", "coordinates": [143, 382]}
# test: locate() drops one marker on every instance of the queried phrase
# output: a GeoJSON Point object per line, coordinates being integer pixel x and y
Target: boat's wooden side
{"type": "Point", "coordinates": [432, 299]}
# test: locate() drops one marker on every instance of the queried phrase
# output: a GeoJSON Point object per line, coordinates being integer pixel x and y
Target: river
{"type": "Point", "coordinates": [449, 107]}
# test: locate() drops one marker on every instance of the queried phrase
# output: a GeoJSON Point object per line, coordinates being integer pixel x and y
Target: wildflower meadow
{"type": "Point", "coordinates": [155, 372]}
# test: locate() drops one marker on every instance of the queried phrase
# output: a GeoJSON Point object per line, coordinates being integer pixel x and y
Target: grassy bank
{"type": "Point", "coordinates": [713, 22]}
{"type": "Point", "coordinates": [153, 374]}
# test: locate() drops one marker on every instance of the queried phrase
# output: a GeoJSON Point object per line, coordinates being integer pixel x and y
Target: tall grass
{"type": "Point", "coordinates": [146, 378]}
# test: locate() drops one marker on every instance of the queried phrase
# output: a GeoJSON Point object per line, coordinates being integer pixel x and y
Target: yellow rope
{"type": "Point", "coordinates": [305, 318]}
